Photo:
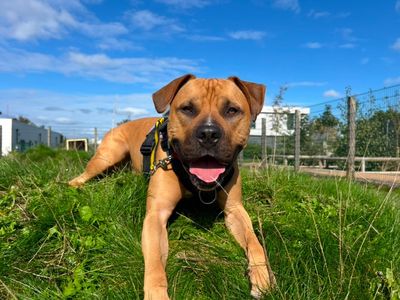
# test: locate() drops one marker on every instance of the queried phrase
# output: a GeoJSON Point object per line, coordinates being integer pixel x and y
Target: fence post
{"type": "Point", "coordinates": [363, 164]}
{"type": "Point", "coordinates": [95, 139]}
{"type": "Point", "coordinates": [49, 136]}
{"type": "Point", "coordinates": [297, 141]}
{"type": "Point", "coordinates": [351, 121]}
{"type": "Point", "coordinates": [263, 142]}
{"type": "Point", "coordinates": [240, 157]}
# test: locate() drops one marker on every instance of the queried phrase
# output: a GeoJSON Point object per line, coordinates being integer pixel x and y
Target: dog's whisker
{"type": "Point", "coordinates": [222, 188]}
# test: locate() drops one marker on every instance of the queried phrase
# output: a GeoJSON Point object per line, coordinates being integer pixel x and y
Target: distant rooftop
{"type": "Point", "coordinates": [286, 109]}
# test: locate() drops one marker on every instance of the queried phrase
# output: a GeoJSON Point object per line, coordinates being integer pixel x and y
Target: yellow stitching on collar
{"type": "Point", "coordinates": [156, 141]}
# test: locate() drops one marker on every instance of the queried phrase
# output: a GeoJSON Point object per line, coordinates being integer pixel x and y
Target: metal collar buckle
{"type": "Point", "coordinates": [162, 163]}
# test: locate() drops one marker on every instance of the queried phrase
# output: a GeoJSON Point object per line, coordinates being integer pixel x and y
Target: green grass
{"type": "Point", "coordinates": [326, 239]}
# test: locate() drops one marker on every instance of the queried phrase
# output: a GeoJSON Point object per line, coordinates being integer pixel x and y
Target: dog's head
{"type": "Point", "coordinates": [209, 122]}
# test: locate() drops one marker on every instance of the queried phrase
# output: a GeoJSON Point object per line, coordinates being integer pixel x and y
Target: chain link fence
{"type": "Point", "coordinates": [331, 136]}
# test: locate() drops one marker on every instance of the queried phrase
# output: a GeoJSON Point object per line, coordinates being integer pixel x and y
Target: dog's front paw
{"type": "Point", "coordinates": [77, 181]}
{"type": "Point", "coordinates": [262, 280]}
{"type": "Point", "coordinates": [156, 293]}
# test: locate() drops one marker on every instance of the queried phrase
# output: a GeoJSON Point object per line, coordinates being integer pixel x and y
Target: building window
{"type": "Point", "coordinates": [253, 124]}
{"type": "Point", "coordinates": [290, 121]}
{"type": "Point", "coordinates": [17, 135]}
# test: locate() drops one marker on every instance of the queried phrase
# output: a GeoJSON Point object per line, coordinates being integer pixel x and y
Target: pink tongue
{"type": "Point", "coordinates": [207, 170]}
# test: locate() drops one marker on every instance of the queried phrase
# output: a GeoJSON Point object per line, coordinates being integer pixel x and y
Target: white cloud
{"type": "Point", "coordinates": [26, 20]}
{"type": "Point", "coordinates": [348, 46]}
{"type": "Point", "coordinates": [313, 45]}
{"type": "Point", "coordinates": [347, 35]}
{"type": "Point", "coordinates": [128, 70]}
{"type": "Point", "coordinates": [315, 14]}
{"type": "Point", "coordinates": [343, 15]}
{"type": "Point", "coordinates": [31, 19]}
{"type": "Point", "coordinates": [185, 4]}
{"type": "Point", "coordinates": [66, 110]}
{"type": "Point", "coordinates": [22, 61]}
{"type": "Point", "coordinates": [55, 108]}
{"type": "Point", "coordinates": [305, 84]}
{"type": "Point", "coordinates": [292, 5]}
{"type": "Point", "coordinates": [131, 111]}
{"type": "Point", "coordinates": [101, 29]}
{"type": "Point", "coordinates": [396, 45]}
{"type": "Point", "coordinates": [397, 6]}
{"type": "Point", "coordinates": [318, 14]}
{"type": "Point", "coordinates": [205, 38]}
{"type": "Point", "coordinates": [392, 81]}
{"type": "Point", "coordinates": [365, 60]}
{"type": "Point", "coordinates": [65, 121]}
{"type": "Point", "coordinates": [331, 94]}
{"type": "Point", "coordinates": [147, 20]}
{"type": "Point", "coordinates": [117, 44]}
{"type": "Point", "coordinates": [349, 40]}
{"type": "Point", "coordinates": [247, 35]}
{"type": "Point", "coordinates": [97, 66]}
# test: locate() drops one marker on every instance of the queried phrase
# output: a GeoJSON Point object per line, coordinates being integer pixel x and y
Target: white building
{"type": "Point", "coordinates": [280, 122]}
{"type": "Point", "coordinates": [15, 135]}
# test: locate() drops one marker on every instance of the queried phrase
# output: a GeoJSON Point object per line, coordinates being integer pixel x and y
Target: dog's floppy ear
{"type": "Point", "coordinates": [164, 96]}
{"type": "Point", "coordinates": [254, 92]}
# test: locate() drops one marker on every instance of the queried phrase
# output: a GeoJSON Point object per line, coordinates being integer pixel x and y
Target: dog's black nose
{"type": "Point", "coordinates": [208, 135]}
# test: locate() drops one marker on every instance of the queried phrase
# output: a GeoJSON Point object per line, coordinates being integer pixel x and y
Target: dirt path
{"type": "Point", "coordinates": [380, 178]}
{"type": "Point", "coordinates": [385, 178]}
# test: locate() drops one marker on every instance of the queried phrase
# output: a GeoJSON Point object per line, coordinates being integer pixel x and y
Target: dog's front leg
{"type": "Point", "coordinates": [163, 195]}
{"type": "Point", "coordinates": [111, 151]}
{"type": "Point", "coordinates": [238, 222]}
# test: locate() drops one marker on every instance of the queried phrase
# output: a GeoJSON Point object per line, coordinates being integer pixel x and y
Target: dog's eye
{"type": "Point", "coordinates": [188, 110]}
{"type": "Point", "coordinates": [232, 111]}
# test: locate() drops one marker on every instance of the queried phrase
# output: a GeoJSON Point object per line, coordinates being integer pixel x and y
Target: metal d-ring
{"type": "Point", "coordinates": [208, 203]}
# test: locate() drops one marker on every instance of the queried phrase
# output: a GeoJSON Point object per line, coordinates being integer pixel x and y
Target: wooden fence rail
{"type": "Point", "coordinates": [324, 159]}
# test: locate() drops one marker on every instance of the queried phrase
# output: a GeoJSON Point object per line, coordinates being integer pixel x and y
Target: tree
{"type": "Point", "coordinates": [327, 119]}
{"type": "Point", "coordinates": [319, 136]}
{"type": "Point", "coordinates": [326, 131]}
{"type": "Point", "coordinates": [376, 135]}
{"type": "Point", "coordinates": [123, 121]}
{"type": "Point", "coordinates": [278, 116]}
{"type": "Point", "coordinates": [310, 145]}
{"type": "Point", "coordinates": [25, 120]}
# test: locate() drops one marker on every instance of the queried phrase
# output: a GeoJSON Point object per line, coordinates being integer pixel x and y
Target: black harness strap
{"type": "Point", "coordinates": [146, 149]}
{"type": "Point", "coordinates": [149, 146]}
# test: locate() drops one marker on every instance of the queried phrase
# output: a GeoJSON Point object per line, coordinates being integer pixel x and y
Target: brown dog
{"type": "Point", "coordinates": [209, 123]}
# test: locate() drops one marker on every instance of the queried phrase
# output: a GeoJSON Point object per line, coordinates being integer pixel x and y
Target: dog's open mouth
{"type": "Point", "coordinates": [207, 169]}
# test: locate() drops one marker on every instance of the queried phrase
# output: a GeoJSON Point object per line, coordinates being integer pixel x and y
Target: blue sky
{"type": "Point", "coordinates": [79, 64]}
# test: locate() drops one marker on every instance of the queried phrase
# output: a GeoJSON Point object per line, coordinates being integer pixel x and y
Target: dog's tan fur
{"type": "Point", "coordinates": [209, 99]}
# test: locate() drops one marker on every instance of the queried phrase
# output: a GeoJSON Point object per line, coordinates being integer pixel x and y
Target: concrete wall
{"type": "Point", "coordinates": [20, 136]}
{"type": "Point", "coordinates": [280, 121]}
{"type": "Point", "coordinates": [6, 136]}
